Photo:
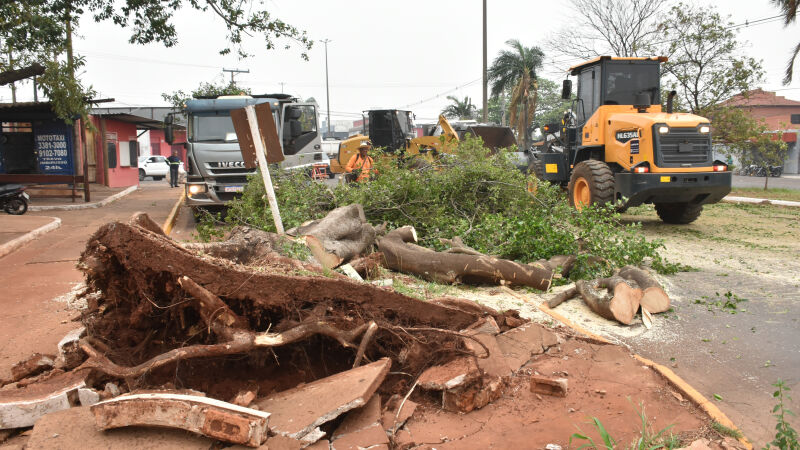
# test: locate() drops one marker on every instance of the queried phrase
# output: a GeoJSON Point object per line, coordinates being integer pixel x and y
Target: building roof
{"type": "Point", "coordinates": [760, 97]}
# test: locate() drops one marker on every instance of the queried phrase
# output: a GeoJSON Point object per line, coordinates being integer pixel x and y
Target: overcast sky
{"type": "Point", "coordinates": [395, 54]}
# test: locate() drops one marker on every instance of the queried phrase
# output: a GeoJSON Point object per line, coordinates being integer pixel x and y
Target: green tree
{"type": "Point", "coordinates": [178, 98]}
{"type": "Point", "coordinates": [459, 109]}
{"type": "Point", "coordinates": [42, 30]}
{"type": "Point", "coordinates": [748, 139]}
{"type": "Point", "coordinates": [515, 70]}
{"type": "Point", "coordinates": [789, 10]}
{"type": "Point", "coordinates": [704, 66]}
{"type": "Point", "coordinates": [551, 105]}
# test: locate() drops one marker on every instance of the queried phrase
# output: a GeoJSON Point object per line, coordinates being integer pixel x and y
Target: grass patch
{"type": "Point", "coordinates": [727, 302]}
{"type": "Point", "coordinates": [725, 431]}
{"type": "Point", "coordinates": [770, 194]}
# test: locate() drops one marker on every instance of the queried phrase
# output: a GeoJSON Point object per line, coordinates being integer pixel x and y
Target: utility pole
{"type": "Point", "coordinates": [485, 77]}
{"type": "Point", "coordinates": [235, 71]}
{"type": "Point", "coordinates": [281, 83]}
{"type": "Point", "coordinates": [327, 88]}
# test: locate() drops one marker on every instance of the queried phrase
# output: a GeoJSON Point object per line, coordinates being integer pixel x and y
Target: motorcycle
{"type": "Point", "coordinates": [14, 199]}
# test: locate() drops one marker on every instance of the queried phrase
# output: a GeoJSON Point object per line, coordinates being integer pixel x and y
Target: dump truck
{"type": "Point", "coordinates": [215, 169]}
{"type": "Point", "coordinates": [616, 145]}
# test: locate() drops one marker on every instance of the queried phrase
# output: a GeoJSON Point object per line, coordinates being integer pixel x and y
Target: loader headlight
{"type": "Point", "coordinates": [663, 129]}
{"type": "Point", "coordinates": [705, 129]}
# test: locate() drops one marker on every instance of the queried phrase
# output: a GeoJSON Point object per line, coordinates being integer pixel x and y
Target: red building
{"type": "Point", "coordinates": [777, 112]}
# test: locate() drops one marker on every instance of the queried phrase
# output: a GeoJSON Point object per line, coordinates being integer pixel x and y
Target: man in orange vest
{"type": "Point", "coordinates": [360, 165]}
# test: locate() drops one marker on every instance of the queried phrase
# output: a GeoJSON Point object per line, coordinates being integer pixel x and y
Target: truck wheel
{"type": "Point", "coordinates": [678, 213]}
{"type": "Point", "coordinates": [141, 175]}
{"type": "Point", "coordinates": [591, 183]}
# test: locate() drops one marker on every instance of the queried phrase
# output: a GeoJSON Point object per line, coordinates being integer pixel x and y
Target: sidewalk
{"type": "Point", "coordinates": [99, 195]}
{"type": "Point", "coordinates": [760, 201]}
{"type": "Point", "coordinates": [44, 269]}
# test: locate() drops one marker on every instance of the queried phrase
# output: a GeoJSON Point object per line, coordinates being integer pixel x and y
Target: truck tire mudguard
{"type": "Point", "coordinates": [696, 187]}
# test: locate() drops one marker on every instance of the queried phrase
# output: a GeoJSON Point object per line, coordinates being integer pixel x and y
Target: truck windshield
{"type": "Point", "coordinates": [404, 117]}
{"type": "Point", "coordinates": [624, 81]}
{"type": "Point", "coordinates": [213, 128]}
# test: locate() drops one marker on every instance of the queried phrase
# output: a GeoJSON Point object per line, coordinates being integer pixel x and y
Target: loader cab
{"type": "Point", "coordinates": [616, 81]}
{"type": "Point", "coordinates": [390, 128]}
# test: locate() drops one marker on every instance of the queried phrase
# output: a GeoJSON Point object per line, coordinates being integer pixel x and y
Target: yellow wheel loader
{"type": "Point", "coordinates": [393, 130]}
{"type": "Point", "coordinates": [616, 144]}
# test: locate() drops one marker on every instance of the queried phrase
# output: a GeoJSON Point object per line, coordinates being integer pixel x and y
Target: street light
{"type": "Point", "coordinates": [327, 89]}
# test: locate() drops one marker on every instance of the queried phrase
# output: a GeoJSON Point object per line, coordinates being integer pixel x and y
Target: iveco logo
{"type": "Point", "coordinates": [230, 164]}
{"type": "Point", "coordinates": [625, 136]}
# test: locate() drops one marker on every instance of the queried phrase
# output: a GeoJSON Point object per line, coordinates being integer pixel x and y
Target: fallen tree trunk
{"type": "Point", "coordinates": [402, 254]}
{"type": "Point", "coordinates": [338, 237]}
{"type": "Point", "coordinates": [655, 299]}
{"type": "Point", "coordinates": [620, 304]}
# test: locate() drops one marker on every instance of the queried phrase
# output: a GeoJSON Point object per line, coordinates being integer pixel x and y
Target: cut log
{"type": "Point", "coordinates": [620, 304]}
{"type": "Point", "coordinates": [561, 297]}
{"type": "Point", "coordinates": [338, 237]}
{"type": "Point", "coordinates": [401, 254]}
{"type": "Point", "coordinates": [655, 299]}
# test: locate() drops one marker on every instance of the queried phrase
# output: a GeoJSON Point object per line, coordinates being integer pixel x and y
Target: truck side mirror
{"type": "Point", "coordinates": [169, 132]}
{"type": "Point", "coordinates": [566, 90]}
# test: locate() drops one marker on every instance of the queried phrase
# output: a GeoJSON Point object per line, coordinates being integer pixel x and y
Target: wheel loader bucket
{"type": "Point", "coordinates": [494, 137]}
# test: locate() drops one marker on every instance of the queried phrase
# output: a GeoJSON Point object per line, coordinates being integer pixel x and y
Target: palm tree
{"type": "Point", "coordinates": [789, 10]}
{"type": "Point", "coordinates": [515, 70]}
{"type": "Point", "coordinates": [459, 109]}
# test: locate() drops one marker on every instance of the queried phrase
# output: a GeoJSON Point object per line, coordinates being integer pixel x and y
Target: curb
{"type": "Point", "coordinates": [15, 244]}
{"type": "Point", "coordinates": [679, 383]}
{"type": "Point", "coordinates": [173, 214]}
{"type": "Point", "coordinates": [760, 201]}
{"type": "Point", "coordinates": [99, 204]}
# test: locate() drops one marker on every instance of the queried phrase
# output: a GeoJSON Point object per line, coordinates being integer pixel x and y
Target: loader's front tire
{"type": "Point", "coordinates": [591, 183]}
{"type": "Point", "coordinates": [678, 213]}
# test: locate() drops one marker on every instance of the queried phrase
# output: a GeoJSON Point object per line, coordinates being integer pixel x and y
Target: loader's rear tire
{"type": "Point", "coordinates": [678, 213]}
{"type": "Point", "coordinates": [591, 183]}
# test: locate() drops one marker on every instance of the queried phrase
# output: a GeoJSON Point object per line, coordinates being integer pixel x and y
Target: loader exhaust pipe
{"type": "Point", "coordinates": [671, 95]}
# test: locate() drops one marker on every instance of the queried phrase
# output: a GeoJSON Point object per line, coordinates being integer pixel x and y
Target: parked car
{"type": "Point", "coordinates": [155, 166]}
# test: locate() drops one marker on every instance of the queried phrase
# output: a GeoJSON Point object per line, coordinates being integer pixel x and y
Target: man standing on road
{"type": "Point", "coordinates": [360, 164]}
{"type": "Point", "coordinates": [174, 163]}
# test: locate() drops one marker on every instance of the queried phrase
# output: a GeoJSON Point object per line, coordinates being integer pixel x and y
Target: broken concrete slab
{"type": "Point", "coordinates": [33, 365]}
{"type": "Point", "coordinates": [88, 397]}
{"type": "Point", "coordinates": [495, 364]}
{"type": "Point", "coordinates": [359, 419]}
{"type": "Point", "coordinates": [69, 353]}
{"type": "Point", "coordinates": [322, 444]}
{"type": "Point", "coordinates": [279, 442]}
{"type": "Point", "coordinates": [391, 419]}
{"type": "Point", "coordinates": [487, 325]}
{"type": "Point", "coordinates": [453, 374]}
{"type": "Point", "coordinates": [23, 407]}
{"type": "Point", "coordinates": [299, 411]}
{"type": "Point", "coordinates": [520, 344]}
{"type": "Point", "coordinates": [549, 386]}
{"type": "Point", "coordinates": [74, 429]}
{"type": "Point", "coordinates": [209, 417]}
{"type": "Point", "coordinates": [244, 398]}
{"type": "Point", "coordinates": [366, 438]}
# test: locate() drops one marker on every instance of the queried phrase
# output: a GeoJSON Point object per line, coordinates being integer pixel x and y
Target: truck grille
{"type": "Point", "coordinates": [682, 147]}
{"type": "Point", "coordinates": [232, 171]}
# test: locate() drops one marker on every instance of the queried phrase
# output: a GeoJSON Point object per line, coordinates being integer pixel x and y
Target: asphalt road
{"type": "Point", "coordinates": [784, 182]}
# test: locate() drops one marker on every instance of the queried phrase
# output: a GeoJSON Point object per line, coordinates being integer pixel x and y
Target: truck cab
{"type": "Point", "coordinates": [616, 144]}
{"type": "Point", "coordinates": [215, 172]}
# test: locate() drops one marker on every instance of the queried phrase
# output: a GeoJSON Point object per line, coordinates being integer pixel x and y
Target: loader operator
{"type": "Point", "coordinates": [360, 166]}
